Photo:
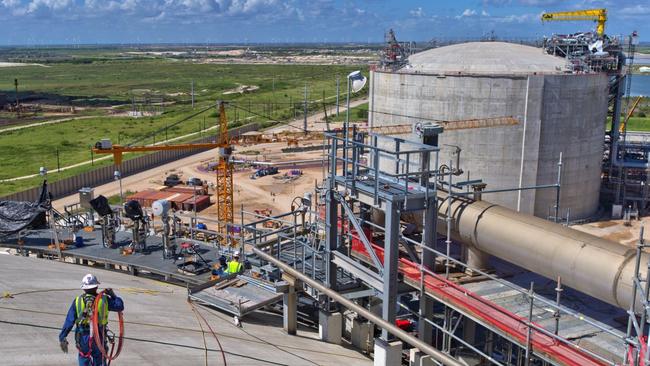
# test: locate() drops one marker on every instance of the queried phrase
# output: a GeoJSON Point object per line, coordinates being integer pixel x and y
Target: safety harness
{"type": "Point", "coordinates": [92, 312]}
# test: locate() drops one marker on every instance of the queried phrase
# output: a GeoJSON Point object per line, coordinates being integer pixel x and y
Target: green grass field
{"type": "Point", "coordinates": [110, 83]}
{"type": "Point", "coordinates": [358, 113]}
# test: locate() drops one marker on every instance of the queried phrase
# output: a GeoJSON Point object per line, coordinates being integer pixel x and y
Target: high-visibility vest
{"type": "Point", "coordinates": [80, 307]}
{"type": "Point", "coordinates": [234, 266]}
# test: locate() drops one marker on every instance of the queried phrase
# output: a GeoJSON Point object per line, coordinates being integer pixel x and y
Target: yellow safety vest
{"type": "Point", "coordinates": [80, 306]}
{"type": "Point", "coordinates": [234, 267]}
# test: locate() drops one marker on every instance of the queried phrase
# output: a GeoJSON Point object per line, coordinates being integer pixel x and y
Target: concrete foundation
{"type": "Point", "coordinates": [330, 327]}
{"type": "Point", "coordinates": [387, 353]}
{"type": "Point", "coordinates": [289, 311]}
{"type": "Point", "coordinates": [361, 335]}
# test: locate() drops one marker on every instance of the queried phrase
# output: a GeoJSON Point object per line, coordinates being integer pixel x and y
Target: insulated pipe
{"type": "Point", "coordinates": [437, 355]}
{"type": "Point", "coordinates": [587, 263]}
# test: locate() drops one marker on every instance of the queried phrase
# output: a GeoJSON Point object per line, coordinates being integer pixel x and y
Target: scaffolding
{"type": "Point", "coordinates": [334, 242]}
{"type": "Point", "coordinates": [626, 158]}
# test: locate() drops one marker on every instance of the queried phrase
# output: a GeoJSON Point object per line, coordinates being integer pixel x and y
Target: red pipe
{"type": "Point", "coordinates": [469, 303]}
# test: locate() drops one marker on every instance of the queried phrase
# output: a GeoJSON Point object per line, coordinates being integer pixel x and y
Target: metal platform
{"type": "Point", "coordinates": [150, 263]}
{"type": "Point", "coordinates": [503, 309]}
{"type": "Point", "coordinates": [237, 295]}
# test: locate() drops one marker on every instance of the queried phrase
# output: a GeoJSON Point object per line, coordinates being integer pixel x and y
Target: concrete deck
{"type": "Point", "coordinates": [161, 328]}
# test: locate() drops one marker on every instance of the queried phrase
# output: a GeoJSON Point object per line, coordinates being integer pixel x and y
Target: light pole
{"type": "Point", "coordinates": [118, 177]}
{"type": "Point", "coordinates": [356, 82]}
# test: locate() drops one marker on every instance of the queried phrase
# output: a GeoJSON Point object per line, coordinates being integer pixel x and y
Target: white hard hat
{"type": "Point", "coordinates": [236, 254]}
{"type": "Point", "coordinates": [89, 281]}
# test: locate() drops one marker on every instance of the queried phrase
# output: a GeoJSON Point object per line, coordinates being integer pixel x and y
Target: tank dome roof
{"type": "Point", "coordinates": [485, 58]}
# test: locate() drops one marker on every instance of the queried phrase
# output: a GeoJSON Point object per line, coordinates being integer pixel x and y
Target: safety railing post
{"type": "Point", "coordinates": [529, 334]}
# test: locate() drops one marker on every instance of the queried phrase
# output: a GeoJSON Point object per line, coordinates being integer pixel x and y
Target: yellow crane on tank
{"type": "Point", "coordinates": [597, 15]}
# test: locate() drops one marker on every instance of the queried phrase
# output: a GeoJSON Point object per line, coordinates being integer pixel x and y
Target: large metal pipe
{"type": "Point", "coordinates": [587, 263]}
{"type": "Point", "coordinates": [442, 357]}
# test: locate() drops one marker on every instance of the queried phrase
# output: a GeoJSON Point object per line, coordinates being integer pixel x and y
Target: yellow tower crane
{"type": "Point", "coordinates": [224, 168]}
{"type": "Point", "coordinates": [225, 204]}
{"type": "Point", "coordinates": [597, 15]}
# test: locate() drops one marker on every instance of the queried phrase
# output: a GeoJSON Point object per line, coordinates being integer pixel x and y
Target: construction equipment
{"type": "Point", "coordinates": [629, 114]}
{"type": "Point", "coordinates": [597, 15]}
{"type": "Point", "coordinates": [395, 54]}
{"type": "Point", "coordinates": [141, 223]}
{"type": "Point", "coordinates": [224, 168]}
{"type": "Point", "coordinates": [292, 142]}
{"type": "Point", "coordinates": [118, 150]}
{"type": "Point", "coordinates": [291, 136]}
{"type": "Point", "coordinates": [225, 202]}
{"type": "Point", "coordinates": [266, 213]}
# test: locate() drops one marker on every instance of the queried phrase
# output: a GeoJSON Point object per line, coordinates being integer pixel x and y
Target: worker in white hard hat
{"type": "Point", "coordinates": [234, 266]}
{"type": "Point", "coordinates": [80, 314]}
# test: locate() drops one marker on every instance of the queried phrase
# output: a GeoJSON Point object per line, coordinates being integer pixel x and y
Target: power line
{"type": "Point", "coordinates": [270, 118]}
{"type": "Point", "coordinates": [152, 134]}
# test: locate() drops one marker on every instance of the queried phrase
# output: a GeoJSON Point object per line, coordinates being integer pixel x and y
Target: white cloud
{"type": "Point", "coordinates": [417, 12]}
{"type": "Point", "coordinates": [51, 4]}
{"type": "Point", "coordinates": [10, 3]}
{"type": "Point", "coordinates": [518, 18]}
{"type": "Point", "coordinates": [637, 10]}
{"type": "Point", "coordinates": [468, 13]}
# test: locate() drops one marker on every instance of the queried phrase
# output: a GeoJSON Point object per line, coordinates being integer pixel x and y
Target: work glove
{"type": "Point", "coordinates": [64, 345]}
{"type": "Point", "coordinates": [109, 292]}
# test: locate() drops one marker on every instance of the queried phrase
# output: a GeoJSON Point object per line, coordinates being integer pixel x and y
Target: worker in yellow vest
{"type": "Point", "coordinates": [234, 266]}
{"type": "Point", "coordinates": [80, 313]}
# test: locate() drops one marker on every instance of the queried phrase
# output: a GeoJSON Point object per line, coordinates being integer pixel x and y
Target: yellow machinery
{"type": "Point", "coordinates": [225, 204]}
{"type": "Point", "coordinates": [629, 114]}
{"type": "Point", "coordinates": [597, 15]}
{"type": "Point", "coordinates": [224, 168]}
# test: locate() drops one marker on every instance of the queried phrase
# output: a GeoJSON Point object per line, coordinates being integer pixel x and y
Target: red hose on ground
{"type": "Point", "coordinates": [98, 340]}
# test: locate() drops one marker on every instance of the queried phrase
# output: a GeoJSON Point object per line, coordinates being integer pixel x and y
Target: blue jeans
{"type": "Point", "coordinates": [95, 358]}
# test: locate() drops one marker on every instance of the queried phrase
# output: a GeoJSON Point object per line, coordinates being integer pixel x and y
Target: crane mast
{"type": "Point", "coordinates": [224, 167]}
{"type": "Point", "coordinates": [597, 15]}
{"type": "Point", "coordinates": [225, 205]}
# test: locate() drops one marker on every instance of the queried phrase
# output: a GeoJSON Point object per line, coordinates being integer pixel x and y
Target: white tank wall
{"type": "Point", "coordinates": [564, 113]}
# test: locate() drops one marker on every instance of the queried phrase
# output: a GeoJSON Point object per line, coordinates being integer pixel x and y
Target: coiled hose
{"type": "Point", "coordinates": [94, 323]}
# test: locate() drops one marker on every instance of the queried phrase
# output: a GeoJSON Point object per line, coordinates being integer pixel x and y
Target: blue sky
{"type": "Point", "coordinates": [221, 21]}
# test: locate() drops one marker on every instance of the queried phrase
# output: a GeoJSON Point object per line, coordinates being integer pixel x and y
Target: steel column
{"type": "Point", "coordinates": [391, 257]}
{"type": "Point", "coordinates": [429, 235]}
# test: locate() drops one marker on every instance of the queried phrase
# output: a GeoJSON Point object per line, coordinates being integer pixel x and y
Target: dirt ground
{"type": "Point", "coordinates": [616, 230]}
{"type": "Point", "coordinates": [269, 192]}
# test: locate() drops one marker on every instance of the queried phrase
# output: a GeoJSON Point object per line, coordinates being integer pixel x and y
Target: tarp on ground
{"type": "Point", "coordinates": [17, 215]}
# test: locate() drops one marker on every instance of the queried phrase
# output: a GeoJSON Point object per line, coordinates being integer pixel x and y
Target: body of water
{"type": "Point", "coordinates": [640, 85]}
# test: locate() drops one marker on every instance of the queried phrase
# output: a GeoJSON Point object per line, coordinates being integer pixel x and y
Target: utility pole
{"type": "Point", "coordinates": [305, 110]}
{"type": "Point", "coordinates": [192, 94]}
{"type": "Point", "coordinates": [58, 161]}
{"type": "Point", "coordinates": [338, 80]}
{"type": "Point", "coordinates": [17, 102]}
